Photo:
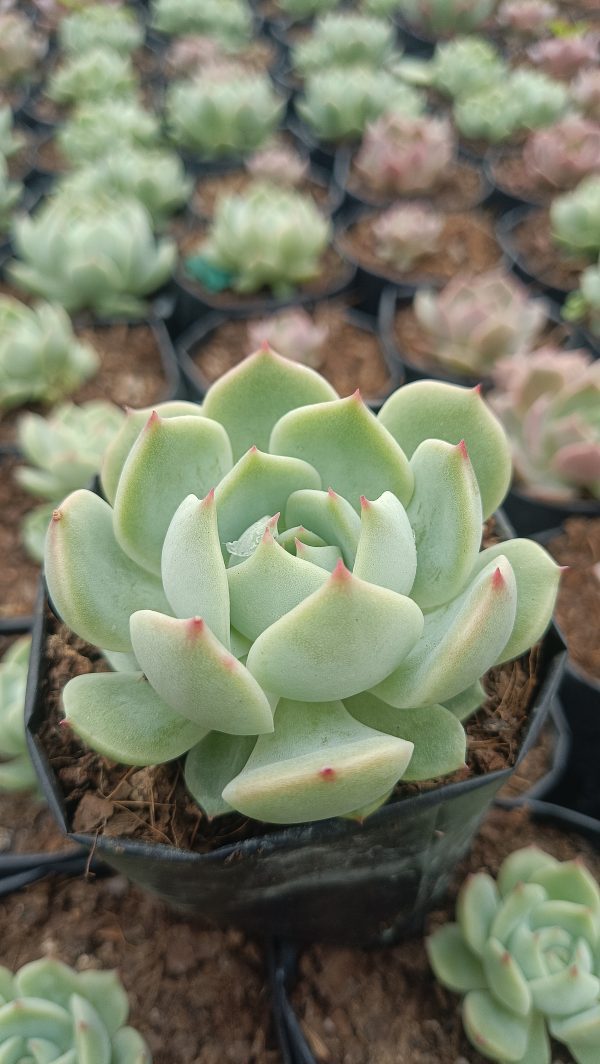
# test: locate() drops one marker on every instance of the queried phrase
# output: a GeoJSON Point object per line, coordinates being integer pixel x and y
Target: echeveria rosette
{"type": "Point", "coordinates": [92, 76]}
{"type": "Point", "coordinates": [525, 952]}
{"type": "Point", "coordinates": [299, 588]}
{"type": "Point", "coordinates": [53, 1014]}
{"type": "Point", "coordinates": [100, 26]}
{"type": "Point", "coordinates": [16, 771]}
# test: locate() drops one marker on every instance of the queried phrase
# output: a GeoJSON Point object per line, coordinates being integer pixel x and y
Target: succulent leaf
{"type": "Point", "coordinates": [386, 534]}
{"type": "Point", "coordinates": [329, 516]}
{"type": "Point", "coordinates": [455, 965]}
{"type": "Point", "coordinates": [212, 764]}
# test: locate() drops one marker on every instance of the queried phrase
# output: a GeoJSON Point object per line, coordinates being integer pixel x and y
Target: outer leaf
{"type": "Point", "coordinates": [337, 641]}
{"type": "Point", "coordinates": [466, 702]}
{"type": "Point", "coordinates": [330, 516]}
{"type": "Point", "coordinates": [581, 1034]}
{"type": "Point", "coordinates": [432, 409]}
{"type": "Point", "coordinates": [41, 1019]}
{"type": "Point", "coordinates": [562, 994]}
{"type": "Point", "coordinates": [89, 1034]}
{"type": "Point", "coordinates": [212, 764]}
{"type": "Point", "coordinates": [386, 552]}
{"type": "Point", "coordinates": [521, 866]}
{"type": "Point", "coordinates": [325, 557]}
{"type": "Point", "coordinates": [368, 462]}
{"type": "Point", "coordinates": [505, 979]}
{"type": "Point", "coordinates": [476, 906]}
{"type": "Point", "coordinates": [515, 909]}
{"type": "Point", "coordinates": [576, 920]}
{"type": "Point", "coordinates": [569, 881]}
{"type": "Point", "coordinates": [497, 1033]}
{"type": "Point", "coordinates": [129, 1048]}
{"type": "Point", "coordinates": [453, 963]}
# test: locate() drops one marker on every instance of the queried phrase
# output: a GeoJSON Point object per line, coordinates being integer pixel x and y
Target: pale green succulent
{"type": "Point", "coordinates": [95, 129]}
{"type": "Point", "coordinates": [584, 304]}
{"type": "Point", "coordinates": [446, 16]}
{"type": "Point", "coordinates": [53, 1014]}
{"type": "Point", "coordinates": [41, 359]}
{"type": "Point", "coordinates": [230, 21]}
{"type": "Point", "coordinates": [305, 9]}
{"type": "Point", "coordinates": [542, 100]}
{"type": "Point", "coordinates": [524, 952]}
{"type": "Point", "coordinates": [100, 26]}
{"type": "Point", "coordinates": [154, 177]}
{"type": "Point", "coordinates": [232, 114]}
{"type": "Point", "coordinates": [345, 40]}
{"type": "Point", "coordinates": [268, 237]}
{"type": "Point", "coordinates": [575, 218]}
{"type": "Point", "coordinates": [10, 142]}
{"type": "Point", "coordinates": [16, 771]}
{"type": "Point", "coordinates": [524, 100]}
{"type": "Point", "coordinates": [299, 587]}
{"type": "Point", "coordinates": [64, 452]}
{"type": "Point", "coordinates": [10, 194]}
{"type": "Point", "coordinates": [92, 76]}
{"type": "Point", "coordinates": [459, 68]}
{"type": "Point", "coordinates": [339, 104]}
{"type": "Point", "coordinates": [98, 254]}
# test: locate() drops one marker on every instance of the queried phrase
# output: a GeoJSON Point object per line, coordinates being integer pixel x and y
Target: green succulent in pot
{"type": "Point", "coordinates": [338, 104]}
{"type": "Point", "coordinates": [100, 26]}
{"type": "Point", "coordinates": [459, 68]}
{"type": "Point", "coordinates": [155, 178]}
{"type": "Point", "coordinates": [10, 194]}
{"type": "Point", "coordinates": [16, 771]}
{"type": "Point", "coordinates": [446, 16]}
{"type": "Point", "coordinates": [91, 76]}
{"type": "Point", "coordinates": [229, 21]}
{"type": "Point", "coordinates": [299, 587]}
{"type": "Point", "coordinates": [575, 218]}
{"type": "Point", "coordinates": [584, 304]}
{"type": "Point", "coordinates": [10, 141]}
{"type": "Point", "coordinates": [97, 129]}
{"type": "Point", "coordinates": [344, 40]}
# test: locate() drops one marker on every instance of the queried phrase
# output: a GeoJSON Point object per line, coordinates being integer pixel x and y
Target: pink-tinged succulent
{"type": "Point", "coordinates": [564, 153]}
{"type": "Point", "coordinates": [406, 233]}
{"type": "Point", "coordinates": [526, 18]}
{"type": "Point", "coordinates": [564, 57]}
{"type": "Point", "coordinates": [474, 321]}
{"type": "Point", "coordinates": [279, 164]}
{"type": "Point", "coordinates": [401, 155]}
{"type": "Point", "coordinates": [191, 55]}
{"type": "Point", "coordinates": [293, 333]}
{"type": "Point", "coordinates": [585, 92]}
{"type": "Point", "coordinates": [549, 403]}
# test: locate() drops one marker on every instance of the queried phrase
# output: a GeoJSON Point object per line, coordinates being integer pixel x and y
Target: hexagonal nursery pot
{"type": "Point", "coordinates": [336, 880]}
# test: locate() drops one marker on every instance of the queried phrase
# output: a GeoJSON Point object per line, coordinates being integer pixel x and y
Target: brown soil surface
{"type": "Point", "coordinates": [359, 1007]}
{"type": "Point", "coordinates": [578, 605]}
{"type": "Point", "coordinates": [511, 175]}
{"type": "Point", "coordinates": [215, 186]}
{"type": "Point", "coordinates": [20, 164]}
{"type": "Point", "coordinates": [46, 110]}
{"type": "Point", "coordinates": [50, 159]}
{"type": "Point", "coordinates": [197, 996]}
{"type": "Point", "coordinates": [467, 243]}
{"type": "Point", "coordinates": [18, 573]}
{"type": "Point", "coordinates": [352, 356]}
{"type": "Point", "coordinates": [541, 257]}
{"type": "Point", "coordinates": [461, 188]}
{"type": "Point", "coordinates": [257, 58]}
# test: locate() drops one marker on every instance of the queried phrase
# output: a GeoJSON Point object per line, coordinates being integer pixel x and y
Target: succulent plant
{"type": "Point", "coordinates": [21, 48]}
{"type": "Point", "coordinates": [10, 142]}
{"type": "Point", "coordinates": [549, 403]}
{"type": "Point", "coordinates": [585, 93]}
{"type": "Point", "coordinates": [266, 237]}
{"type": "Point", "coordinates": [154, 177]}
{"type": "Point", "coordinates": [406, 233]}
{"type": "Point", "coordinates": [344, 40]}
{"type": "Point", "coordinates": [541, 100]}
{"type": "Point", "coordinates": [230, 115]}
{"type": "Point", "coordinates": [526, 18]}
{"type": "Point", "coordinates": [95, 129]}
{"type": "Point", "coordinates": [16, 771]}
{"type": "Point", "coordinates": [474, 321]}
{"type": "Point", "coordinates": [460, 67]}
{"type": "Point", "coordinates": [64, 452]}
{"type": "Point", "coordinates": [446, 16]}
{"type": "Point", "coordinates": [50, 13]}
{"type": "Point", "coordinates": [302, 572]}
{"type": "Point", "coordinates": [562, 154]}
{"type": "Point", "coordinates": [98, 253]}
{"type": "Point", "coordinates": [584, 303]}
{"type": "Point", "coordinates": [575, 218]}
{"type": "Point", "coordinates": [41, 359]}
{"type": "Point", "coordinates": [293, 334]}
{"type": "Point", "coordinates": [305, 9]}
{"type": "Point", "coordinates": [564, 57]}
{"type": "Point", "coordinates": [10, 194]}
{"type": "Point", "coordinates": [92, 76]}
{"type": "Point", "coordinates": [100, 26]}
{"type": "Point", "coordinates": [524, 952]}
{"type": "Point", "coordinates": [229, 21]}
{"type": "Point", "coordinates": [525, 100]}
{"type": "Point", "coordinates": [339, 104]}
{"type": "Point", "coordinates": [279, 164]}
{"type": "Point", "coordinates": [400, 155]}
{"type": "Point", "coordinates": [51, 1012]}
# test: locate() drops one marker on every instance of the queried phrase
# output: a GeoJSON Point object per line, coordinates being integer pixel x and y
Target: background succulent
{"type": "Point", "coordinates": [95, 129]}
{"type": "Point", "coordinates": [585, 93]}
{"type": "Point", "coordinates": [92, 76]}
{"type": "Point", "coordinates": [446, 16]}
{"type": "Point", "coordinates": [401, 155]}
{"type": "Point", "coordinates": [406, 233]}
{"type": "Point", "coordinates": [10, 141]}
{"type": "Point", "coordinates": [21, 47]}
{"type": "Point", "coordinates": [10, 194]}
{"type": "Point", "coordinates": [224, 115]}
{"type": "Point", "coordinates": [564, 57]}
{"type": "Point", "coordinates": [229, 21]}
{"type": "Point", "coordinates": [526, 99]}
{"type": "Point", "coordinates": [339, 104]}
{"type": "Point", "coordinates": [156, 178]}
{"type": "Point", "coordinates": [526, 18]}
{"type": "Point", "coordinates": [460, 67]}
{"type": "Point", "coordinates": [524, 952]}
{"type": "Point", "coordinates": [304, 9]}
{"type": "Point", "coordinates": [280, 164]}
{"type": "Point", "coordinates": [575, 218]}
{"type": "Point", "coordinates": [345, 40]}
{"type": "Point", "coordinates": [16, 771]}
{"type": "Point", "coordinates": [584, 303]}
{"type": "Point", "coordinates": [293, 334]}
{"type": "Point", "coordinates": [562, 154]}
{"type": "Point", "coordinates": [100, 26]}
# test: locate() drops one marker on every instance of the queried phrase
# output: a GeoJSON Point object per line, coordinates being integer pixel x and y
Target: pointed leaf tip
{"type": "Point", "coordinates": [195, 626]}
{"type": "Point", "coordinates": [209, 498]}
{"type": "Point", "coordinates": [340, 572]}
{"type": "Point", "coordinates": [332, 494]}
{"type": "Point", "coordinates": [267, 536]}
{"type": "Point", "coordinates": [462, 447]}
{"type": "Point", "coordinates": [478, 389]}
{"type": "Point", "coordinates": [497, 579]}
{"type": "Point", "coordinates": [327, 773]}
{"type": "Point", "coordinates": [253, 449]}
{"type": "Point", "coordinates": [364, 502]}
{"type": "Point", "coordinates": [564, 569]}
{"type": "Point", "coordinates": [153, 419]}
{"type": "Point", "coordinates": [264, 345]}
{"type": "Point", "coordinates": [356, 395]}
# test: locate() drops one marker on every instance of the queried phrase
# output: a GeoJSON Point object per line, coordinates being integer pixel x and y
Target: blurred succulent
{"type": "Point", "coordinates": [344, 40]}
{"type": "Point", "coordinates": [233, 115]}
{"type": "Point", "coordinates": [92, 77]}
{"type": "Point", "coordinates": [100, 26]}
{"type": "Point", "coordinates": [575, 218]}
{"type": "Point", "coordinates": [268, 237]}
{"type": "Point", "coordinates": [379, 8]}
{"type": "Point", "coordinates": [549, 403]}
{"type": "Point", "coordinates": [585, 93]}
{"type": "Point", "coordinates": [10, 194]}
{"type": "Point", "coordinates": [526, 99]}
{"type": "Point", "coordinates": [229, 21]}
{"type": "Point", "coordinates": [154, 177]}
{"type": "Point", "coordinates": [446, 16]}
{"type": "Point", "coordinates": [460, 67]}
{"type": "Point", "coordinates": [279, 164]}
{"type": "Point", "coordinates": [305, 9]}
{"type": "Point", "coordinates": [474, 321]}
{"type": "Point", "coordinates": [95, 129]}
{"type": "Point", "coordinates": [192, 54]}
{"type": "Point", "coordinates": [64, 452]}
{"type": "Point", "coordinates": [309, 586]}
{"type": "Point", "coordinates": [98, 254]}
{"type": "Point", "coordinates": [584, 304]}
{"type": "Point", "coordinates": [541, 100]}
{"type": "Point", "coordinates": [16, 771]}
{"type": "Point", "coordinates": [339, 104]}
{"type": "Point", "coordinates": [524, 951]}
{"type": "Point", "coordinates": [406, 233]}
{"type": "Point", "coordinates": [564, 57]}
{"type": "Point", "coordinates": [400, 155]}
{"type": "Point", "coordinates": [51, 1012]}
{"type": "Point", "coordinates": [41, 359]}
{"type": "Point", "coordinates": [526, 18]}
{"type": "Point", "coordinates": [562, 154]}
{"type": "Point", "coordinates": [293, 334]}
{"type": "Point", "coordinates": [10, 142]}
{"type": "Point", "coordinates": [21, 48]}
{"type": "Point", "coordinates": [50, 13]}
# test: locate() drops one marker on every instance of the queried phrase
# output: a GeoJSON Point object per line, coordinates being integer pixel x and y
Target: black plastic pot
{"type": "Point", "coordinates": [322, 153]}
{"type": "Point", "coordinates": [505, 230]}
{"type": "Point", "coordinates": [355, 201]}
{"type": "Point", "coordinates": [532, 517]}
{"type": "Point", "coordinates": [502, 198]}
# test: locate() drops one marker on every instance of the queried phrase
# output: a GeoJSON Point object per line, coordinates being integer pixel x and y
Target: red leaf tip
{"type": "Point", "coordinates": [195, 626]}
{"type": "Point", "coordinates": [340, 572]}
{"type": "Point", "coordinates": [364, 502]}
{"type": "Point", "coordinates": [497, 579]}
{"type": "Point", "coordinates": [564, 569]}
{"type": "Point", "coordinates": [64, 723]}
{"type": "Point", "coordinates": [332, 494]}
{"type": "Point", "coordinates": [229, 662]}
{"type": "Point", "coordinates": [274, 519]}
{"type": "Point", "coordinates": [462, 447]}
{"type": "Point", "coordinates": [253, 449]}
{"type": "Point", "coordinates": [327, 773]}
{"type": "Point", "coordinates": [267, 536]}
{"type": "Point", "coordinates": [356, 395]}
{"type": "Point", "coordinates": [153, 419]}
{"type": "Point", "coordinates": [264, 345]}
{"type": "Point", "coordinates": [478, 389]}
{"type": "Point", "coordinates": [210, 497]}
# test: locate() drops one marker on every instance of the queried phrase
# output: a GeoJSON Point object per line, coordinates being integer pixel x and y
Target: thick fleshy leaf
{"type": "Point", "coordinates": [521, 866]}
{"type": "Point", "coordinates": [505, 979]}
{"type": "Point", "coordinates": [94, 586]}
{"type": "Point", "coordinates": [268, 585]}
{"type": "Point", "coordinates": [526, 948]}
{"type": "Point", "coordinates": [89, 1034]}
{"type": "Point", "coordinates": [329, 516]}
{"type": "Point", "coordinates": [121, 716]}
{"type": "Point", "coordinates": [120, 662]}
{"type": "Point", "coordinates": [445, 514]}
{"type": "Point", "coordinates": [453, 963]}
{"type": "Point", "coordinates": [250, 399]}
{"type": "Point", "coordinates": [580, 1033]}
{"type": "Point", "coordinates": [563, 993]}
{"type": "Point", "coordinates": [476, 906]}
{"type": "Point", "coordinates": [193, 571]}
{"type": "Point", "coordinates": [460, 641]}
{"type": "Point", "coordinates": [466, 702]}
{"type": "Point", "coordinates": [386, 552]}
{"type": "Point", "coordinates": [50, 979]}
{"type": "Point", "coordinates": [41, 1019]}
{"type": "Point", "coordinates": [325, 557]}
{"type": "Point", "coordinates": [129, 1048]}
{"type": "Point", "coordinates": [259, 484]}
{"type": "Point", "coordinates": [432, 409]}
{"type": "Point", "coordinates": [577, 920]}
{"type": "Point", "coordinates": [337, 641]}
{"type": "Point", "coordinates": [438, 737]}
{"type": "Point", "coordinates": [212, 764]}
{"type": "Point", "coordinates": [352, 451]}
{"type": "Point", "coordinates": [318, 763]}
{"type": "Point", "coordinates": [171, 459]}
{"type": "Point", "coordinates": [515, 908]}
{"type": "Point", "coordinates": [569, 881]}
{"type": "Point", "coordinates": [197, 677]}
{"type": "Point", "coordinates": [498, 1034]}
{"type": "Point", "coordinates": [297, 533]}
